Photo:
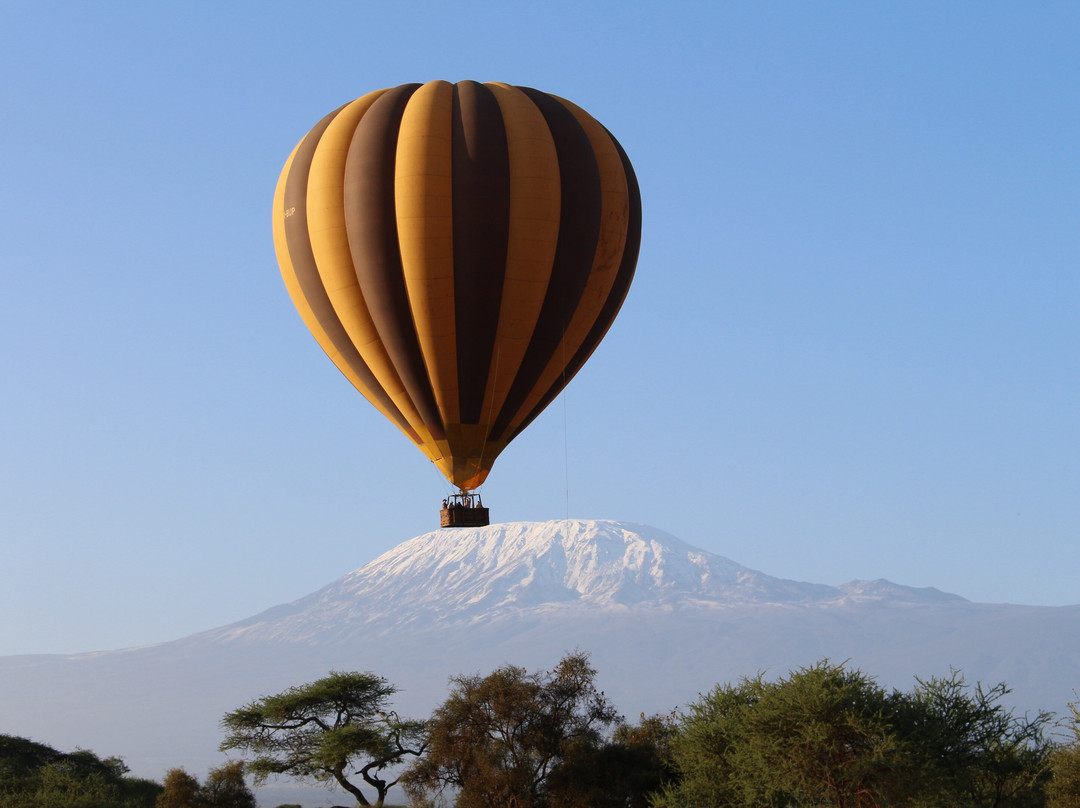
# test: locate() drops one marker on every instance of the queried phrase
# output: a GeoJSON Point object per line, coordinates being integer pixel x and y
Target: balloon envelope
{"type": "Point", "coordinates": [458, 250]}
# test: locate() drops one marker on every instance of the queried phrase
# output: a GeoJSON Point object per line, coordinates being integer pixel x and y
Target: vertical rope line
{"type": "Point", "coordinates": [566, 447]}
{"type": "Point", "coordinates": [566, 429]}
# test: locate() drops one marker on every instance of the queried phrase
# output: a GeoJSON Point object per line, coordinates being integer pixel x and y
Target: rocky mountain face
{"type": "Point", "coordinates": [662, 620]}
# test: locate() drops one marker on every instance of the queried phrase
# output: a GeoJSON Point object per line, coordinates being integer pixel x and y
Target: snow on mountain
{"type": "Point", "coordinates": [882, 590]}
{"type": "Point", "coordinates": [478, 574]}
{"type": "Point", "coordinates": [662, 620]}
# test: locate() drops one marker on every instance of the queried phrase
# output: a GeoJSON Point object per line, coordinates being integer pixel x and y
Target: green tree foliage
{"type": "Point", "coordinates": [817, 737]}
{"type": "Point", "coordinates": [328, 731]}
{"type": "Point", "coordinates": [970, 750]}
{"type": "Point", "coordinates": [20, 757]}
{"type": "Point", "coordinates": [224, 788]}
{"type": "Point", "coordinates": [179, 790]}
{"type": "Point", "coordinates": [830, 736]}
{"type": "Point", "coordinates": [498, 739]}
{"type": "Point", "coordinates": [33, 775]}
{"type": "Point", "coordinates": [1063, 790]}
{"type": "Point", "coordinates": [619, 773]}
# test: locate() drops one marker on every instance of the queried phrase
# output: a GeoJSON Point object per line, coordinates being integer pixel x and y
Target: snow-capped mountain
{"type": "Point", "coordinates": [487, 573]}
{"type": "Point", "coordinates": [663, 622]}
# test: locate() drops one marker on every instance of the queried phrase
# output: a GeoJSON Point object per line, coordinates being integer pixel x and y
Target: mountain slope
{"type": "Point", "coordinates": [481, 574]}
{"type": "Point", "coordinates": [662, 620]}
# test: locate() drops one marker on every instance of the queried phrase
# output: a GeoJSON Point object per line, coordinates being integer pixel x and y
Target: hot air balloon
{"type": "Point", "coordinates": [458, 251]}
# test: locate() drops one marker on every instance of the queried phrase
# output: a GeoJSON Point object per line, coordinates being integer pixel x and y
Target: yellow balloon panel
{"type": "Point", "coordinates": [458, 250]}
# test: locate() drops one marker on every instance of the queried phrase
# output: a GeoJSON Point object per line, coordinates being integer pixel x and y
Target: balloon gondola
{"type": "Point", "coordinates": [458, 251]}
{"type": "Point", "coordinates": [463, 509]}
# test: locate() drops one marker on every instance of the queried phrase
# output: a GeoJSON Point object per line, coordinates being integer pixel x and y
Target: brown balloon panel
{"type": "Point", "coordinates": [458, 250]}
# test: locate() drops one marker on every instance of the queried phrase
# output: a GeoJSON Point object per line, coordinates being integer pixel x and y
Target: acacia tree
{"type": "Point", "coordinates": [972, 750]}
{"type": "Point", "coordinates": [180, 790]}
{"type": "Point", "coordinates": [224, 788]}
{"type": "Point", "coordinates": [497, 738]}
{"type": "Point", "coordinates": [34, 775]}
{"type": "Point", "coordinates": [620, 773]}
{"type": "Point", "coordinates": [829, 736]}
{"type": "Point", "coordinates": [817, 737]}
{"type": "Point", "coordinates": [1064, 788]}
{"type": "Point", "coordinates": [329, 731]}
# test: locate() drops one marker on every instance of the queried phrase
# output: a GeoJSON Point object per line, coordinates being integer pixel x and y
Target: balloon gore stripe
{"type": "Point", "coordinates": [467, 248]}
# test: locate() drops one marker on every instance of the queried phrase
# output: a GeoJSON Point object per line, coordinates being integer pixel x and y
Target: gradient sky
{"type": "Point", "coordinates": [852, 348]}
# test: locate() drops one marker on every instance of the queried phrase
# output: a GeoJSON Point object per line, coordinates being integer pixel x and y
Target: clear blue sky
{"type": "Point", "coordinates": [852, 349]}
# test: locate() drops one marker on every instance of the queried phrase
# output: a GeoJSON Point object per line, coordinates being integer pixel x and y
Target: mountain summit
{"type": "Point", "coordinates": [662, 621]}
{"type": "Point", "coordinates": [483, 573]}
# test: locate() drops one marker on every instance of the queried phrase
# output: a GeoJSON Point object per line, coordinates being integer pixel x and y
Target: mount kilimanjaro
{"type": "Point", "coordinates": [662, 620]}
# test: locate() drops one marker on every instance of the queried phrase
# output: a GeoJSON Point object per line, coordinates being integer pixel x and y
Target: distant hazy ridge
{"type": "Point", "coordinates": [662, 620]}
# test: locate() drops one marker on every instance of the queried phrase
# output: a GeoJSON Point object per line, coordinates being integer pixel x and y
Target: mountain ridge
{"type": "Point", "coordinates": [470, 574]}
{"type": "Point", "coordinates": [662, 620]}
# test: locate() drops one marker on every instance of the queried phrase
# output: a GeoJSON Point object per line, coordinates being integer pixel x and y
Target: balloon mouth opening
{"type": "Point", "coordinates": [466, 476]}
